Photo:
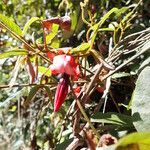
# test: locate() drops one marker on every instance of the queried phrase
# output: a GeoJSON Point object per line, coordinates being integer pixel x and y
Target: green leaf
{"type": "Point", "coordinates": [11, 53]}
{"type": "Point", "coordinates": [113, 118]}
{"type": "Point", "coordinates": [28, 24]}
{"type": "Point", "coordinates": [11, 25]}
{"type": "Point", "coordinates": [74, 19]}
{"type": "Point", "coordinates": [31, 95]}
{"type": "Point", "coordinates": [120, 11]}
{"type": "Point", "coordinates": [52, 34]}
{"type": "Point", "coordinates": [135, 141]}
{"type": "Point", "coordinates": [55, 43]}
{"type": "Point", "coordinates": [104, 18]}
{"type": "Point", "coordinates": [81, 48]}
{"type": "Point", "coordinates": [44, 70]}
{"type": "Point", "coordinates": [100, 23]}
{"type": "Point", "coordinates": [141, 100]}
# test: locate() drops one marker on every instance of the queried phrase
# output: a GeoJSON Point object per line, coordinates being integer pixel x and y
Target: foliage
{"type": "Point", "coordinates": [103, 74]}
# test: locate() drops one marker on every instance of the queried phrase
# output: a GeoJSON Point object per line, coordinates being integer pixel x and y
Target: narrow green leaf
{"type": "Point", "coordinates": [120, 11]}
{"type": "Point", "coordinates": [11, 24]}
{"type": "Point", "coordinates": [113, 118]}
{"type": "Point", "coordinates": [11, 53]}
{"type": "Point", "coordinates": [100, 23]}
{"type": "Point", "coordinates": [74, 19]}
{"type": "Point", "coordinates": [104, 18]}
{"type": "Point", "coordinates": [32, 94]}
{"type": "Point", "coordinates": [81, 48]}
{"type": "Point", "coordinates": [44, 70]}
{"type": "Point", "coordinates": [28, 24]}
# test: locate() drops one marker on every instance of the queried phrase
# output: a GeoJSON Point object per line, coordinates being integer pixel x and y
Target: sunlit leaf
{"type": "Point", "coordinates": [28, 24]}
{"type": "Point", "coordinates": [44, 70]}
{"type": "Point", "coordinates": [15, 52]}
{"type": "Point", "coordinates": [120, 11]}
{"type": "Point", "coordinates": [74, 19]}
{"type": "Point", "coordinates": [100, 23]}
{"type": "Point", "coordinates": [11, 24]}
{"type": "Point", "coordinates": [52, 34]}
{"type": "Point", "coordinates": [81, 48]}
{"type": "Point", "coordinates": [135, 141]}
{"type": "Point", "coordinates": [55, 43]}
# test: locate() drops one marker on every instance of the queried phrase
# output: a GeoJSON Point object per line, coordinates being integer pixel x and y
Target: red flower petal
{"type": "Point", "coordinates": [61, 92]}
{"type": "Point", "coordinates": [65, 64]}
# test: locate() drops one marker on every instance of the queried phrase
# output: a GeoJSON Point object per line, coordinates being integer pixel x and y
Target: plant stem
{"type": "Point", "coordinates": [87, 119]}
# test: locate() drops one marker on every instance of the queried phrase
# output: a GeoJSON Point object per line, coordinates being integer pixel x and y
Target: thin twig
{"type": "Point", "coordinates": [26, 85]}
{"type": "Point", "coordinates": [84, 114]}
{"type": "Point", "coordinates": [145, 48]}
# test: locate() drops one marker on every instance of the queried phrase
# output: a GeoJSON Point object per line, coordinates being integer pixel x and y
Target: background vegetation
{"type": "Point", "coordinates": [107, 105]}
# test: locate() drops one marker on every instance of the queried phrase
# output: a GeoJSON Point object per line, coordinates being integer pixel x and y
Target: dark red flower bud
{"type": "Point", "coordinates": [61, 92]}
{"type": "Point", "coordinates": [64, 23]}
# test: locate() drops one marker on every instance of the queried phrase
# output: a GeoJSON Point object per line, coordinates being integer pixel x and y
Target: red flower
{"type": "Point", "coordinates": [61, 92]}
{"type": "Point", "coordinates": [60, 51]}
{"type": "Point", "coordinates": [65, 64]}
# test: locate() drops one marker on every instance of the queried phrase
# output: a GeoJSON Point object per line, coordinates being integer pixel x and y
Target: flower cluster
{"type": "Point", "coordinates": [63, 64]}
